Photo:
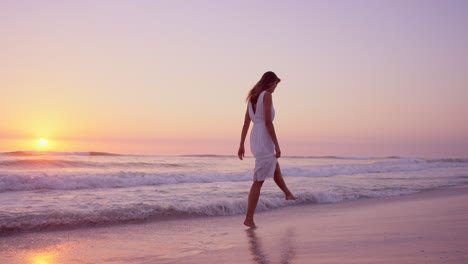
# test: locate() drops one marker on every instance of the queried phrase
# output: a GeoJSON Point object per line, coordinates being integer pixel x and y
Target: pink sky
{"type": "Point", "coordinates": [364, 78]}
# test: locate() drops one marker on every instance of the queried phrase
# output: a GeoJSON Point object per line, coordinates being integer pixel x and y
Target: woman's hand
{"type": "Point", "coordinates": [278, 152]}
{"type": "Point", "coordinates": [241, 152]}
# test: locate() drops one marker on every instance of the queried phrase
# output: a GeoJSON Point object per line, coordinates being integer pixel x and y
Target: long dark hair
{"type": "Point", "coordinates": [267, 81]}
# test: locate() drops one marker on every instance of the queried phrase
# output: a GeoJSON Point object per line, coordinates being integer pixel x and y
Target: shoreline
{"type": "Point", "coordinates": [425, 227]}
{"type": "Point", "coordinates": [193, 216]}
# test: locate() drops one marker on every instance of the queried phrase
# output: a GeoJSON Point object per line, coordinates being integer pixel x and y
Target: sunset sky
{"type": "Point", "coordinates": [362, 78]}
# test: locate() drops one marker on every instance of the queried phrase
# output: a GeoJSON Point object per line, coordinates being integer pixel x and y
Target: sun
{"type": "Point", "coordinates": [42, 141]}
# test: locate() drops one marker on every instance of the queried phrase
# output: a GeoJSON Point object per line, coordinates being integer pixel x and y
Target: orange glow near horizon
{"type": "Point", "coordinates": [123, 80]}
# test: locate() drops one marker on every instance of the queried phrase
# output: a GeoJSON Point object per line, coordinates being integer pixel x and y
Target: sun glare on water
{"type": "Point", "coordinates": [42, 141]}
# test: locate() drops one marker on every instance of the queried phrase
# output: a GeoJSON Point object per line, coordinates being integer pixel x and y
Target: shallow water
{"type": "Point", "coordinates": [73, 189]}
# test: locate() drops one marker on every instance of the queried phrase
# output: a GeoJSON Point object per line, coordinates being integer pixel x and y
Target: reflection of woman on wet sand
{"type": "Point", "coordinates": [255, 248]}
{"type": "Point", "coordinates": [288, 252]}
{"type": "Point", "coordinates": [263, 142]}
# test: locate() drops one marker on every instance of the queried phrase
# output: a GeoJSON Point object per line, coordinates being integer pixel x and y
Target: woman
{"type": "Point", "coordinates": [263, 142]}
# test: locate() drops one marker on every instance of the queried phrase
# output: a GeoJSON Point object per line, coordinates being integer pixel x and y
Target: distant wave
{"type": "Point", "coordinates": [57, 163]}
{"type": "Point", "coordinates": [207, 156]}
{"type": "Point", "coordinates": [30, 180]}
{"type": "Point", "coordinates": [27, 163]}
{"type": "Point", "coordinates": [55, 153]}
{"type": "Point", "coordinates": [299, 157]}
{"type": "Point", "coordinates": [96, 153]}
{"type": "Point", "coordinates": [397, 165]}
{"type": "Point", "coordinates": [141, 211]}
{"type": "Point", "coordinates": [340, 157]}
{"type": "Point", "coordinates": [20, 181]}
{"type": "Point", "coordinates": [459, 160]}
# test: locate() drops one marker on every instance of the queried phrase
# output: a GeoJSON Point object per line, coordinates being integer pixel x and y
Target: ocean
{"type": "Point", "coordinates": [61, 190]}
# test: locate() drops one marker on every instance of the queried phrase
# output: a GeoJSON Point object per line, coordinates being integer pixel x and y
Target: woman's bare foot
{"type": "Point", "coordinates": [290, 197]}
{"type": "Point", "coordinates": [250, 223]}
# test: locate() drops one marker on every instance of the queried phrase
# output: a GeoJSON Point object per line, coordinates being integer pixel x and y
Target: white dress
{"type": "Point", "coordinates": [261, 144]}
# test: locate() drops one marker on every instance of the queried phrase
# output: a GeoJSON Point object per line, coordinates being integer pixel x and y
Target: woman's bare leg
{"type": "Point", "coordinates": [282, 185]}
{"type": "Point", "coordinates": [254, 194]}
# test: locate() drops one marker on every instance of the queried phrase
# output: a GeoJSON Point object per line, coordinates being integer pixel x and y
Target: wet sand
{"type": "Point", "coordinates": [428, 227]}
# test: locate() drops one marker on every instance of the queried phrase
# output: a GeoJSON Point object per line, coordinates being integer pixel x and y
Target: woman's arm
{"type": "Point", "coordinates": [245, 129]}
{"type": "Point", "coordinates": [267, 102]}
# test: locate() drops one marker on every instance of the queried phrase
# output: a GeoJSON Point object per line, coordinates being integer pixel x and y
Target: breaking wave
{"type": "Point", "coordinates": [142, 211]}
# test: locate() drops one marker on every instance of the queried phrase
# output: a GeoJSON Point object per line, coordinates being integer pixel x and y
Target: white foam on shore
{"type": "Point", "coordinates": [53, 219]}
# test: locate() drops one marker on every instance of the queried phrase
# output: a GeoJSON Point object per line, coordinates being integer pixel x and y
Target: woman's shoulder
{"type": "Point", "coordinates": [266, 94]}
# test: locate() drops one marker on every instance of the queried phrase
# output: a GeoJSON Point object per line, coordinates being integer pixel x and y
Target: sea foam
{"type": "Point", "coordinates": [54, 219]}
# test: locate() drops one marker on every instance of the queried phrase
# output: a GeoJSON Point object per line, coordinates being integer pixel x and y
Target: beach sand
{"type": "Point", "coordinates": [427, 227]}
